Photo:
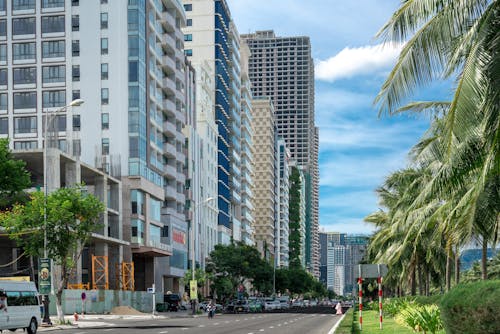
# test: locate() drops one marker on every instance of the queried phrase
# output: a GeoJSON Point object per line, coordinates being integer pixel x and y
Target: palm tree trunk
{"type": "Point", "coordinates": [448, 269]}
{"type": "Point", "coordinates": [413, 281]}
{"type": "Point", "coordinates": [457, 266]}
{"type": "Point", "coordinates": [484, 259]}
{"type": "Point", "coordinates": [428, 285]}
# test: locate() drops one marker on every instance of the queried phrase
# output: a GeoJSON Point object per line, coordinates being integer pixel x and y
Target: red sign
{"type": "Point", "coordinates": [179, 237]}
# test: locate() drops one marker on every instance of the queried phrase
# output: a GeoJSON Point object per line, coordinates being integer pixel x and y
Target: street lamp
{"type": "Point", "coordinates": [74, 103]}
{"type": "Point", "coordinates": [204, 202]}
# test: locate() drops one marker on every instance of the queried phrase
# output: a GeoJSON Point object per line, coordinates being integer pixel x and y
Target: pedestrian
{"type": "Point", "coordinates": [338, 307]}
{"type": "Point", "coordinates": [211, 310]}
{"type": "Point", "coordinates": [3, 301]}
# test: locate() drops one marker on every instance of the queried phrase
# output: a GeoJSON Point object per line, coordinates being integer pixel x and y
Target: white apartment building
{"type": "Point", "coordinates": [210, 37]}
{"type": "Point", "coordinates": [125, 60]}
{"type": "Point", "coordinates": [282, 231]}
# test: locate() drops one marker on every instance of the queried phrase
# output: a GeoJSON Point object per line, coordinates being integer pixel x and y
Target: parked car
{"type": "Point", "coordinates": [238, 306]}
{"type": "Point", "coordinates": [298, 303]}
{"type": "Point", "coordinates": [172, 302]}
{"type": "Point", "coordinates": [271, 304]}
{"type": "Point", "coordinates": [255, 305]}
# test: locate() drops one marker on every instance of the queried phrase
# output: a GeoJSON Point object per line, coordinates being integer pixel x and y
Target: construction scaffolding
{"type": "Point", "coordinates": [125, 275]}
{"type": "Point", "coordinates": [100, 278]}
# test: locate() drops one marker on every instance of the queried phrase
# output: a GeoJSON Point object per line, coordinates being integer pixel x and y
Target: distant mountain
{"type": "Point", "coordinates": [469, 256]}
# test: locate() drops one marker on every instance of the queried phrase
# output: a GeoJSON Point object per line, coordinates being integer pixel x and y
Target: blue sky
{"type": "Point", "coordinates": [357, 148]}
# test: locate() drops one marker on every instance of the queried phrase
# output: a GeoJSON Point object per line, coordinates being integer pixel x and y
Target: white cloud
{"type": "Point", "coordinates": [352, 62]}
{"type": "Point", "coordinates": [350, 226]}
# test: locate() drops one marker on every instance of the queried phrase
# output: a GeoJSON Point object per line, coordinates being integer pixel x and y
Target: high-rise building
{"type": "Point", "coordinates": [282, 69]}
{"type": "Point", "coordinates": [265, 176]}
{"type": "Point", "coordinates": [125, 59]}
{"type": "Point", "coordinates": [340, 253]}
{"type": "Point", "coordinates": [246, 162]}
{"type": "Point", "coordinates": [211, 36]}
{"type": "Point", "coordinates": [282, 231]}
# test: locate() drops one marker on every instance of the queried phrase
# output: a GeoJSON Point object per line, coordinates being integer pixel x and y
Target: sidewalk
{"type": "Point", "coordinates": [102, 320]}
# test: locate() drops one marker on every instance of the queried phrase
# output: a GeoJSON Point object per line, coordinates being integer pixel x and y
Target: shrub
{"type": "Point", "coordinates": [472, 308]}
{"type": "Point", "coordinates": [425, 318]}
{"type": "Point", "coordinates": [393, 306]}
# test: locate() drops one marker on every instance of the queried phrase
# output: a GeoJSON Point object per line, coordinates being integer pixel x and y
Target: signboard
{"type": "Point", "coordinates": [16, 278]}
{"type": "Point", "coordinates": [193, 289]}
{"type": "Point", "coordinates": [44, 276]}
{"type": "Point", "coordinates": [151, 290]}
{"type": "Point", "coordinates": [370, 270]}
{"type": "Point", "coordinates": [179, 237]}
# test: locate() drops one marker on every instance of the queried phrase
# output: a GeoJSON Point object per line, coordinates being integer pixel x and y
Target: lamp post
{"type": "Point", "coordinates": [74, 103]}
{"type": "Point", "coordinates": [193, 302]}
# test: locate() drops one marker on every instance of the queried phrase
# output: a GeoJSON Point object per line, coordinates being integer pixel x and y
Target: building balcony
{"type": "Point", "coordinates": [170, 192]}
{"type": "Point", "coordinates": [169, 106]}
{"type": "Point", "coordinates": [168, 63]}
{"type": "Point", "coordinates": [169, 150]}
{"type": "Point", "coordinates": [169, 128]}
{"type": "Point", "coordinates": [169, 171]}
{"type": "Point", "coordinates": [169, 85]}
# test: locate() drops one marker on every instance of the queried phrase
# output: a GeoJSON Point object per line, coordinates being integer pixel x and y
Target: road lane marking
{"type": "Point", "coordinates": [215, 324]}
{"type": "Point", "coordinates": [239, 320]}
{"type": "Point", "coordinates": [271, 326]}
{"type": "Point", "coordinates": [261, 330]}
{"type": "Point", "coordinates": [164, 332]}
{"type": "Point", "coordinates": [109, 329]}
{"type": "Point", "coordinates": [201, 326]}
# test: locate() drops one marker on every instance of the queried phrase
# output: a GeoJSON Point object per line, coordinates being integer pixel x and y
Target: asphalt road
{"type": "Point", "coordinates": [272, 323]}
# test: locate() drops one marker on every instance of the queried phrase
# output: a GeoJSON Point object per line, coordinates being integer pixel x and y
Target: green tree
{"type": "Point", "coordinates": [454, 39]}
{"type": "Point", "coordinates": [14, 178]}
{"type": "Point", "coordinates": [236, 263]}
{"type": "Point", "coordinates": [294, 239]}
{"type": "Point", "coordinates": [72, 216]}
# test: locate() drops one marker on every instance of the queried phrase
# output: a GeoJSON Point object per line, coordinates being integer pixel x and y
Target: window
{"type": "Point", "coordinates": [75, 72]}
{"type": "Point", "coordinates": [104, 121]}
{"type": "Point", "coordinates": [24, 26]}
{"type": "Point", "coordinates": [137, 202]}
{"type": "Point", "coordinates": [3, 77]}
{"type": "Point", "coordinates": [3, 52]}
{"type": "Point", "coordinates": [23, 4]}
{"type": "Point", "coordinates": [155, 208]}
{"type": "Point", "coordinates": [105, 146]}
{"type": "Point", "coordinates": [76, 123]}
{"type": "Point", "coordinates": [189, 22]}
{"type": "Point", "coordinates": [75, 23]}
{"type": "Point", "coordinates": [25, 145]}
{"type": "Point", "coordinates": [188, 52]}
{"type": "Point", "coordinates": [3, 5]}
{"type": "Point", "coordinates": [188, 7]}
{"type": "Point", "coordinates": [52, 24]}
{"type": "Point", "coordinates": [188, 37]}
{"type": "Point", "coordinates": [3, 101]}
{"type": "Point", "coordinates": [104, 46]}
{"type": "Point", "coordinates": [25, 100]}
{"type": "Point", "coordinates": [24, 75]}
{"type": "Point", "coordinates": [25, 124]}
{"type": "Point", "coordinates": [52, 3]}
{"type": "Point", "coordinates": [104, 2]}
{"type": "Point", "coordinates": [75, 94]}
{"type": "Point", "coordinates": [75, 48]}
{"type": "Point", "coordinates": [137, 231]}
{"type": "Point", "coordinates": [77, 147]}
{"type": "Point", "coordinates": [54, 98]}
{"type": "Point", "coordinates": [60, 123]}
{"type": "Point", "coordinates": [4, 126]}
{"type": "Point", "coordinates": [104, 71]}
{"type": "Point", "coordinates": [104, 20]}
{"type": "Point", "coordinates": [53, 74]}
{"type": "Point", "coordinates": [3, 28]}
{"type": "Point", "coordinates": [75, 3]}
{"type": "Point", "coordinates": [104, 95]}
{"type": "Point", "coordinates": [24, 51]}
{"type": "Point", "coordinates": [53, 49]}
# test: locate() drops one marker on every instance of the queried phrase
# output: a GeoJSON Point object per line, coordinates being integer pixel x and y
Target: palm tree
{"type": "Point", "coordinates": [447, 39]}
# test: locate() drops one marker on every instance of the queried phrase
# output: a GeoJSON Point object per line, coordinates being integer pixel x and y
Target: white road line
{"type": "Point", "coordinates": [271, 326]}
{"type": "Point", "coordinates": [244, 319]}
{"type": "Point", "coordinates": [107, 330]}
{"type": "Point", "coordinates": [164, 332]}
{"type": "Point", "coordinates": [81, 333]}
{"type": "Point", "coordinates": [201, 326]}
{"type": "Point", "coordinates": [261, 330]}
{"type": "Point", "coordinates": [226, 322]}
{"type": "Point", "coordinates": [239, 320]}
{"type": "Point", "coordinates": [279, 325]}
{"type": "Point", "coordinates": [215, 324]}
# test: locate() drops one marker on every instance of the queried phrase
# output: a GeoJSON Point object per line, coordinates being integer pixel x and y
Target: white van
{"type": "Point", "coordinates": [22, 307]}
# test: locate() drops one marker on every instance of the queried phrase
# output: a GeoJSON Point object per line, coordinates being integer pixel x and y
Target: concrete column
{"type": "Point", "coordinates": [53, 169]}
{"type": "Point", "coordinates": [72, 173]}
{"type": "Point", "coordinates": [101, 192]}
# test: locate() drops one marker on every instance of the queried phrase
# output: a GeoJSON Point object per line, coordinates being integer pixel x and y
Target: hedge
{"type": "Point", "coordinates": [472, 308]}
